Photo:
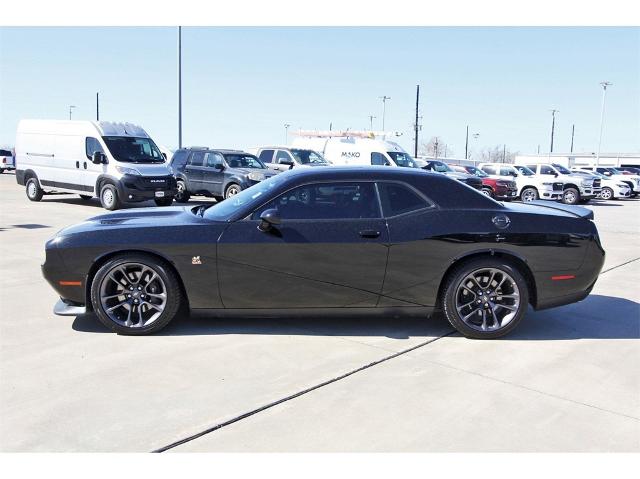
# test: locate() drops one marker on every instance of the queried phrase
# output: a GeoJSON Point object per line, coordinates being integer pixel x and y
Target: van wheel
{"type": "Point", "coordinates": [529, 194]}
{"type": "Point", "coordinates": [34, 192]}
{"type": "Point", "coordinates": [571, 196]}
{"type": "Point", "coordinates": [232, 190]}
{"type": "Point", "coordinates": [182, 196]}
{"type": "Point", "coordinates": [487, 192]}
{"type": "Point", "coordinates": [86, 197]}
{"type": "Point", "coordinates": [109, 198]}
{"type": "Point", "coordinates": [485, 298]}
{"type": "Point", "coordinates": [164, 201]}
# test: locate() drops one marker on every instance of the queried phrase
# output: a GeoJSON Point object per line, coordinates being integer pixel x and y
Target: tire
{"type": "Point", "coordinates": [86, 197]}
{"type": "Point", "coordinates": [529, 194]}
{"type": "Point", "coordinates": [606, 193]}
{"type": "Point", "coordinates": [164, 201]}
{"type": "Point", "coordinates": [183, 195]}
{"type": "Point", "coordinates": [109, 198]}
{"type": "Point", "coordinates": [232, 190]}
{"type": "Point", "coordinates": [487, 192]}
{"type": "Point", "coordinates": [147, 320]}
{"type": "Point", "coordinates": [32, 187]}
{"type": "Point", "coordinates": [571, 196]}
{"type": "Point", "coordinates": [509, 310]}
{"type": "Point", "coordinates": [1, 170]}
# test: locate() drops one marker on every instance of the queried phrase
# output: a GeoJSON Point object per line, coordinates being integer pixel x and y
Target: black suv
{"type": "Point", "coordinates": [215, 173]}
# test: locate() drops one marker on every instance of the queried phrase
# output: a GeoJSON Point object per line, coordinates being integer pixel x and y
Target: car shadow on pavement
{"type": "Point", "coordinates": [597, 317]}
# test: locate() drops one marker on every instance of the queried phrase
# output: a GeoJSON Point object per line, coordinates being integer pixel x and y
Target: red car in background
{"type": "Point", "coordinates": [497, 188]}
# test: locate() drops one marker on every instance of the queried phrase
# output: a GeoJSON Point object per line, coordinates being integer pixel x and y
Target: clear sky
{"type": "Point", "coordinates": [241, 85]}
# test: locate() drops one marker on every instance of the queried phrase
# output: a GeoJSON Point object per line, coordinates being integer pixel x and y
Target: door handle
{"type": "Point", "coordinates": [369, 233]}
{"type": "Point", "coordinates": [85, 165]}
{"type": "Point", "coordinates": [77, 164]}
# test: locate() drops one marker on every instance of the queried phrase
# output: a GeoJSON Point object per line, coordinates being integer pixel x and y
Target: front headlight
{"type": "Point", "coordinates": [127, 171]}
{"type": "Point", "coordinates": [622, 185]}
{"type": "Point", "coordinates": [253, 176]}
{"type": "Point", "coordinates": [587, 182]}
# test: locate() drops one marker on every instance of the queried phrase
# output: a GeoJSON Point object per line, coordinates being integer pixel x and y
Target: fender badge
{"type": "Point", "coordinates": [196, 260]}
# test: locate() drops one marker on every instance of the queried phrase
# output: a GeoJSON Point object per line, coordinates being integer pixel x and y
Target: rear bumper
{"type": "Point", "coordinates": [62, 308]}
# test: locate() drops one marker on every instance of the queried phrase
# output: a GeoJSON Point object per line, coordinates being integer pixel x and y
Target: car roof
{"type": "Point", "coordinates": [359, 173]}
{"type": "Point", "coordinates": [215, 150]}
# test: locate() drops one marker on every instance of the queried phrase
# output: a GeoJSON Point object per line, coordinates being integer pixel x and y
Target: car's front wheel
{"type": "Point", "coordinates": [232, 190]}
{"type": "Point", "coordinates": [529, 194]}
{"type": "Point", "coordinates": [485, 298]}
{"type": "Point", "coordinates": [182, 196]}
{"type": "Point", "coordinates": [606, 193]}
{"type": "Point", "coordinates": [109, 198]}
{"type": "Point", "coordinates": [135, 294]}
{"type": "Point", "coordinates": [571, 196]}
{"type": "Point", "coordinates": [487, 192]}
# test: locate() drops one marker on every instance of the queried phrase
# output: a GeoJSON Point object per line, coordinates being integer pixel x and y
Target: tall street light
{"type": "Point", "coordinates": [553, 127]}
{"type": "Point", "coordinates": [71, 108]}
{"type": "Point", "coordinates": [286, 133]}
{"type": "Point", "coordinates": [604, 84]}
{"type": "Point", "coordinates": [179, 87]}
{"type": "Point", "coordinates": [384, 107]}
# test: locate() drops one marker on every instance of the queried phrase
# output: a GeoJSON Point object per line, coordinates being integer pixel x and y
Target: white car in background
{"type": "Point", "coordinates": [611, 188]}
{"type": "Point", "coordinates": [530, 186]}
{"type": "Point", "coordinates": [633, 181]}
{"type": "Point", "coordinates": [7, 161]}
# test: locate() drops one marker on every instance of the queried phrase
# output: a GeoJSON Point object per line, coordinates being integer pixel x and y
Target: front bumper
{"type": "Point", "coordinates": [506, 193]}
{"type": "Point", "coordinates": [142, 188]}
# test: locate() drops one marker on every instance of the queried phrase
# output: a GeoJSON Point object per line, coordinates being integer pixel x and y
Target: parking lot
{"type": "Point", "coordinates": [566, 380]}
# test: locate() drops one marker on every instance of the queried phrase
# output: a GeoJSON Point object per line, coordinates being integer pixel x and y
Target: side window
{"type": "Point", "coordinates": [397, 199]}
{"type": "Point", "coordinates": [179, 158]}
{"type": "Point", "coordinates": [326, 201]}
{"type": "Point", "coordinates": [197, 158]}
{"type": "Point", "coordinates": [91, 146]}
{"type": "Point", "coordinates": [489, 169]}
{"type": "Point", "coordinates": [546, 170]}
{"type": "Point", "coordinates": [212, 159]}
{"type": "Point", "coordinates": [378, 159]}
{"type": "Point", "coordinates": [283, 156]}
{"type": "Point", "coordinates": [533, 168]}
{"type": "Point", "coordinates": [506, 172]}
{"type": "Point", "coordinates": [266, 156]}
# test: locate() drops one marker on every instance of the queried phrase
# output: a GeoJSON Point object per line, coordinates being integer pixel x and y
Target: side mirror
{"type": "Point", "coordinates": [219, 166]}
{"type": "Point", "coordinates": [98, 158]}
{"type": "Point", "coordinates": [269, 219]}
{"type": "Point", "coordinates": [289, 163]}
{"type": "Point", "coordinates": [165, 156]}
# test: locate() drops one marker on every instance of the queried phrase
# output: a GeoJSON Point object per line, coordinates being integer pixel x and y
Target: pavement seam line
{"type": "Point", "coordinates": [618, 266]}
{"type": "Point", "coordinates": [298, 394]}
{"type": "Point", "coordinates": [527, 388]}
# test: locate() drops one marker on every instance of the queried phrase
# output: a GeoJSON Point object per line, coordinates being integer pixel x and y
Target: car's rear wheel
{"type": "Point", "coordinates": [232, 190]}
{"type": "Point", "coordinates": [606, 193]}
{"type": "Point", "coordinates": [34, 192]}
{"type": "Point", "coordinates": [571, 196]}
{"type": "Point", "coordinates": [183, 195]}
{"type": "Point", "coordinates": [135, 294]}
{"type": "Point", "coordinates": [109, 198]}
{"type": "Point", "coordinates": [487, 192]}
{"type": "Point", "coordinates": [529, 194]}
{"type": "Point", "coordinates": [485, 298]}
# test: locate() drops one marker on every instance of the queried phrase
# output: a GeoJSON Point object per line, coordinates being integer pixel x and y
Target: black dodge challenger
{"type": "Point", "coordinates": [318, 238]}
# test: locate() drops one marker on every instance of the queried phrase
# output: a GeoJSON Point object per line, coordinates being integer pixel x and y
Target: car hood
{"type": "Point", "coordinates": [245, 171]}
{"type": "Point", "coordinates": [552, 208]}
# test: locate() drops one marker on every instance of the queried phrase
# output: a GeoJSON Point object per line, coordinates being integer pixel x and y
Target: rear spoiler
{"type": "Point", "coordinates": [577, 211]}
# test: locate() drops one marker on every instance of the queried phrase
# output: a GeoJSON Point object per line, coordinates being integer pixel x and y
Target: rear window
{"type": "Point", "coordinates": [266, 156]}
{"type": "Point", "coordinates": [398, 199]}
{"type": "Point", "coordinates": [5, 153]}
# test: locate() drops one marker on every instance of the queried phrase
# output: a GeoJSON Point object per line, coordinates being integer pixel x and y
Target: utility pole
{"type": "Point", "coordinates": [553, 126]}
{"type": "Point", "coordinates": [71, 108]}
{"type": "Point", "coordinates": [371, 118]}
{"type": "Point", "coordinates": [286, 133]}
{"type": "Point", "coordinates": [435, 147]}
{"type": "Point", "coordinates": [538, 148]}
{"type": "Point", "coordinates": [504, 153]}
{"type": "Point", "coordinates": [466, 145]}
{"type": "Point", "coordinates": [573, 131]}
{"type": "Point", "coordinates": [604, 84]}
{"type": "Point", "coordinates": [416, 126]}
{"type": "Point", "coordinates": [179, 87]}
{"type": "Point", "coordinates": [384, 107]}
{"type": "Point", "coordinates": [97, 106]}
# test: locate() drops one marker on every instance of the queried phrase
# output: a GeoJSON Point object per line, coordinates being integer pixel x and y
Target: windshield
{"type": "Point", "coordinates": [524, 171]}
{"type": "Point", "coordinates": [475, 171]}
{"type": "Point", "coordinates": [439, 167]}
{"type": "Point", "coordinates": [561, 169]}
{"type": "Point", "coordinates": [243, 161]}
{"type": "Point", "coordinates": [254, 194]}
{"type": "Point", "coordinates": [616, 171]}
{"type": "Point", "coordinates": [402, 159]}
{"type": "Point", "coordinates": [133, 150]}
{"type": "Point", "coordinates": [308, 157]}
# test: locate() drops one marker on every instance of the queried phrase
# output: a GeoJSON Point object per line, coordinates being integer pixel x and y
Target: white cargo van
{"type": "Point", "coordinates": [117, 162]}
{"type": "Point", "coordinates": [355, 148]}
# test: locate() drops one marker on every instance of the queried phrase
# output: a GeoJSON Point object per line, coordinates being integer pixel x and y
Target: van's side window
{"type": "Point", "coordinates": [91, 146]}
{"type": "Point", "coordinates": [197, 158]}
{"type": "Point", "coordinates": [266, 156]}
{"type": "Point", "coordinates": [378, 159]}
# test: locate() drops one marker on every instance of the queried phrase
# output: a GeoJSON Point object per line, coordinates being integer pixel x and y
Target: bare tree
{"type": "Point", "coordinates": [436, 148]}
{"type": "Point", "coordinates": [497, 154]}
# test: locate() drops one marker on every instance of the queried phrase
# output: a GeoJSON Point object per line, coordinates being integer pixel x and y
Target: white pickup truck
{"type": "Point", "coordinates": [530, 186]}
{"type": "Point", "coordinates": [577, 189]}
{"type": "Point", "coordinates": [633, 181]}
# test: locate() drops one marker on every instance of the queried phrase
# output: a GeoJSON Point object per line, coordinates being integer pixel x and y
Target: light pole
{"type": "Point", "coordinates": [475, 139]}
{"type": "Point", "coordinates": [371, 118]}
{"type": "Point", "coordinates": [573, 132]}
{"type": "Point", "coordinates": [604, 84]}
{"type": "Point", "coordinates": [553, 127]}
{"type": "Point", "coordinates": [286, 133]}
{"type": "Point", "coordinates": [179, 87]}
{"type": "Point", "coordinates": [466, 145]}
{"type": "Point", "coordinates": [71, 108]}
{"type": "Point", "coordinates": [384, 107]}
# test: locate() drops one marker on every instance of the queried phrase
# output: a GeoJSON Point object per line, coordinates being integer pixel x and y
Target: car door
{"type": "Point", "coordinates": [283, 160]}
{"type": "Point", "coordinates": [89, 170]}
{"type": "Point", "coordinates": [330, 250]}
{"type": "Point", "coordinates": [213, 173]}
{"type": "Point", "coordinates": [193, 170]}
